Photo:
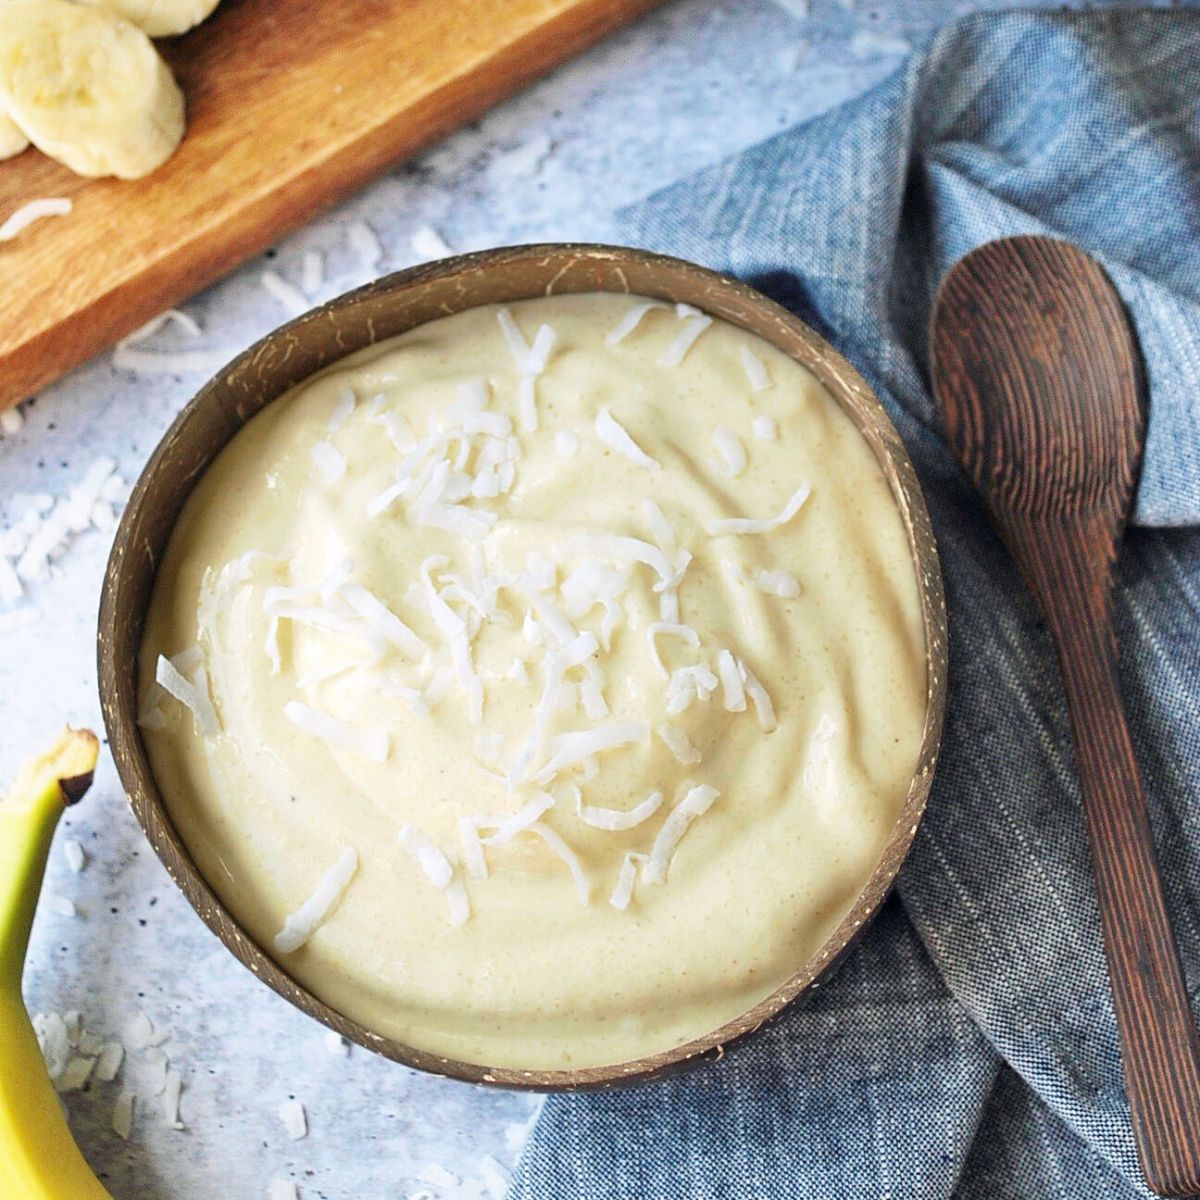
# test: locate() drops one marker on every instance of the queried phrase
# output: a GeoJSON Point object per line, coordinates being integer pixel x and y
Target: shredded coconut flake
{"type": "Point", "coordinates": [172, 1093]}
{"type": "Point", "coordinates": [616, 437]}
{"type": "Point", "coordinates": [428, 244]}
{"type": "Point", "coordinates": [568, 749]}
{"type": "Point", "coordinates": [507, 828]}
{"type": "Point", "coordinates": [657, 629]}
{"type": "Point", "coordinates": [315, 911]}
{"type": "Point", "coordinates": [60, 905]}
{"type": "Point", "coordinates": [474, 858]}
{"type": "Point", "coordinates": [756, 370]}
{"type": "Point", "coordinates": [616, 819]}
{"type": "Point", "coordinates": [676, 352]}
{"type": "Point", "coordinates": [329, 460]}
{"type": "Point", "coordinates": [77, 1073]}
{"type": "Point", "coordinates": [366, 244]}
{"type": "Point", "coordinates": [112, 1054]}
{"type": "Point", "coordinates": [122, 1115]}
{"type": "Point", "coordinates": [12, 421]}
{"type": "Point", "coordinates": [761, 525]}
{"type": "Point", "coordinates": [312, 272]}
{"type": "Point", "coordinates": [162, 362]}
{"type": "Point", "coordinates": [539, 352]}
{"type": "Point", "coordinates": [192, 694]}
{"type": "Point", "coordinates": [458, 905]}
{"type": "Point", "coordinates": [73, 851]}
{"type": "Point", "coordinates": [765, 429]}
{"type": "Point", "coordinates": [583, 887]}
{"type": "Point", "coordinates": [429, 857]}
{"type": "Point", "coordinates": [566, 442]}
{"type": "Point", "coordinates": [35, 210]}
{"type": "Point", "coordinates": [680, 745]}
{"type": "Point", "coordinates": [697, 801]}
{"type": "Point", "coordinates": [518, 347]}
{"type": "Point", "coordinates": [759, 697]}
{"type": "Point", "coordinates": [627, 880]}
{"type": "Point", "coordinates": [527, 403]}
{"type": "Point", "coordinates": [291, 1113]}
{"type": "Point", "coordinates": [289, 297]}
{"type": "Point", "coordinates": [731, 682]}
{"type": "Point", "coordinates": [385, 622]}
{"type": "Point", "coordinates": [630, 321]}
{"type": "Point", "coordinates": [777, 583]}
{"type": "Point", "coordinates": [731, 450]}
{"type": "Point", "coordinates": [342, 410]}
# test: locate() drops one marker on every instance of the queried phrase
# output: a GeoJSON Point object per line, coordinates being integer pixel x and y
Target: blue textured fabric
{"type": "Point", "coordinates": [967, 1047]}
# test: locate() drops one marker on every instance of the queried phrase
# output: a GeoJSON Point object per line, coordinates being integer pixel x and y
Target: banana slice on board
{"type": "Point", "coordinates": [12, 140]}
{"type": "Point", "coordinates": [87, 88]}
{"type": "Point", "coordinates": [158, 18]}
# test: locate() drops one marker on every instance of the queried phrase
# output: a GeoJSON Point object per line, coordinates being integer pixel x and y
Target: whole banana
{"type": "Point", "coordinates": [38, 1156]}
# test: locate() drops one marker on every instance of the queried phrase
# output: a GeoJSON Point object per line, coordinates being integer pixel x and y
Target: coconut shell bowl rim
{"type": "Point", "coordinates": [383, 309]}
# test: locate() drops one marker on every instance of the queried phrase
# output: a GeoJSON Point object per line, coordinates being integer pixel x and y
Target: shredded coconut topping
{"type": "Point", "coordinates": [695, 803]}
{"type": "Point", "coordinates": [193, 694]}
{"type": "Point", "coordinates": [676, 352]}
{"type": "Point", "coordinates": [756, 371]}
{"type": "Point", "coordinates": [316, 910]}
{"type": "Point", "coordinates": [615, 819]}
{"type": "Point", "coordinates": [616, 437]}
{"type": "Point", "coordinates": [330, 461]}
{"type": "Point", "coordinates": [631, 320]}
{"type": "Point", "coordinates": [731, 450]}
{"type": "Point", "coordinates": [435, 865]}
{"type": "Point", "coordinates": [34, 210]}
{"type": "Point", "coordinates": [762, 525]}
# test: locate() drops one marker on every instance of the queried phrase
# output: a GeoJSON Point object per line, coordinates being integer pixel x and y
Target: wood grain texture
{"type": "Point", "coordinates": [292, 104]}
{"type": "Point", "coordinates": [1038, 379]}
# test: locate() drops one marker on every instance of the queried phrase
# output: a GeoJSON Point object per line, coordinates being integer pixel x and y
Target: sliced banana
{"type": "Point", "coordinates": [12, 140]}
{"type": "Point", "coordinates": [158, 18]}
{"type": "Point", "coordinates": [87, 88]}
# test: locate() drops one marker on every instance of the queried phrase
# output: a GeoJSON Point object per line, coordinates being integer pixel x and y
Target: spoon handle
{"type": "Point", "coordinates": [1160, 1049]}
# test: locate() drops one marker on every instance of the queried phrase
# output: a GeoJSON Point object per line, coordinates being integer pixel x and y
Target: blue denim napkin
{"type": "Point", "coordinates": [967, 1047]}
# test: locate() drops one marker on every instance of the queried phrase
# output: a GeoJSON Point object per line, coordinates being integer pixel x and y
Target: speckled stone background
{"type": "Point", "coordinates": [689, 84]}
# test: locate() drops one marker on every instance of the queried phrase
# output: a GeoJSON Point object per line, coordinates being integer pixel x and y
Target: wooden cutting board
{"type": "Point", "coordinates": [292, 104]}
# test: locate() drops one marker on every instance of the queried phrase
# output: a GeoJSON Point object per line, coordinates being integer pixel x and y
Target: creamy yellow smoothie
{"type": "Point", "coordinates": [540, 687]}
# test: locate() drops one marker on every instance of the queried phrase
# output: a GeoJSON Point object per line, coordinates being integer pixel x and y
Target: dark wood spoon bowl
{"type": "Point", "coordinates": [1037, 377]}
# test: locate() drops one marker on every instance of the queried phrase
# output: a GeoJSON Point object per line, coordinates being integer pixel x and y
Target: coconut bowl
{"type": "Point", "coordinates": [382, 310]}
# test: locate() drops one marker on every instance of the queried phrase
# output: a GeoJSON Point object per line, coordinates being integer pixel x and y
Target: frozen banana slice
{"type": "Point", "coordinates": [87, 88]}
{"type": "Point", "coordinates": [12, 140]}
{"type": "Point", "coordinates": [158, 18]}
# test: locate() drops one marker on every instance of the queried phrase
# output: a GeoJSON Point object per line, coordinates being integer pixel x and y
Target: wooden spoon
{"type": "Point", "coordinates": [1037, 377]}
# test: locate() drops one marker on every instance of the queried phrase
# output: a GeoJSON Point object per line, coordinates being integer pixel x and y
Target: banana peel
{"type": "Point", "coordinates": [39, 1159]}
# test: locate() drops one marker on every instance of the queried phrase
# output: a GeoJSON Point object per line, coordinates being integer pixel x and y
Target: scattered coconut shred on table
{"type": "Point", "coordinates": [34, 210]}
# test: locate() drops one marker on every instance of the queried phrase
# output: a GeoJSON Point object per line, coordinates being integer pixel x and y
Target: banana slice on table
{"type": "Point", "coordinates": [158, 18]}
{"type": "Point", "coordinates": [87, 88]}
{"type": "Point", "coordinates": [12, 140]}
